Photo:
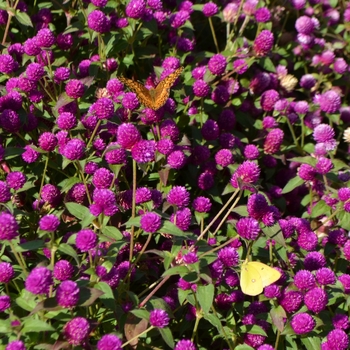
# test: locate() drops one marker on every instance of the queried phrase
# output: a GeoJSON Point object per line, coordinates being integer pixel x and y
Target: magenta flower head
{"type": "Point", "coordinates": [228, 256]}
{"type": "Point", "coordinates": [16, 180]}
{"type": "Point", "coordinates": [202, 204]}
{"type": "Point", "coordinates": [98, 21]}
{"type": "Point", "coordinates": [262, 15]}
{"type": "Point", "coordinates": [185, 344]}
{"type": "Point", "coordinates": [210, 9]}
{"type": "Point", "coordinates": [291, 301]}
{"type": "Point", "coordinates": [217, 64]}
{"type": "Point", "coordinates": [47, 141]}
{"type": "Point", "coordinates": [150, 222]}
{"type": "Point", "coordinates": [336, 339]}
{"type": "Point", "coordinates": [104, 202]}
{"type": "Point", "coordinates": [15, 345]}
{"type": "Point", "coordinates": [176, 159]}
{"type": "Point", "coordinates": [63, 270]}
{"type": "Point", "coordinates": [201, 88]}
{"type": "Point", "coordinates": [304, 25]}
{"type": "Point", "coordinates": [248, 228]}
{"type": "Point", "coordinates": [330, 102]}
{"type": "Point", "coordinates": [316, 300]}
{"type": "Point", "coordinates": [345, 281]}
{"type": "Point", "coordinates": [10, 121]}
{"type": "Point", "coordinates": [74, 149]}
{"type": "Point", "coordinates": [304, 280]}
{"type": "Point", "coordinates": [39, 281]}
{"type": "Point", "coordinates": [159, 318]}
{"type": "Point", "coordinates": [86, 239]}
{"type": "Point", "coordinates": [273, 141]}
{"type": "Point", "coordinates": [341, 321]}
{"type": "Point", "coordinates": [77, 330]}
{"type": "Point", "coordinates": [103, 108]}
{"type": "Point", "coordinates": [135, 9]}
{"type": "Point", "coordinates": [179, 18]}
{"type": "Point", "coordinates": [268, 100]}
{"type": "Point", "coordinates": [51, 194]}
{"type": "Point", "coordinates": [102, 178]}
{"type": "Point", "coordinates": [67, 294]}
{"type": "Point", "coordinates": [5, 302]}
{"type": "Point", "coordinates": [182, 218]}
{"type": "Point", "coordinates": [307, 172]}
{"type": "Point", "coordinates": [5, 193]}
{"type": "Point", "coordinates": [66, 121]}
{"type": "Point", "coordinates": [109, 342]}
{"type": "Point", "coordinates": [49, 223]}
{"type": "Point", "coordinates": [314, 261]}
{"type": "Point", "coordinates": [144, 151]}
{"type": "Point", "coordinates": [323, 133]}
{"type": "Point", "coordinates": [130, 101]}
{"type": "Point", "coordinates": [247, 173]}
{"type": "Point", "coordinates": [7, 64]}
{"type": "Point", "coordinates": [128, 135]}
{"type": "Point", "coordinates": [6, 272]}
{"type": "Point", "coordinates": [179, 196]}
{"type": "Point", "coordinates": [263, 43]}
{"type": "Point", "coordinates": [75, 88]}
{"type": "Point", "coordinates": [8, 226]}
{"type": "Point", "coordinates": [302, 323]}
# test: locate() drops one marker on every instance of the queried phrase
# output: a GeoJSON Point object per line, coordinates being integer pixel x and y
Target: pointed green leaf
{"type": "Point", "coordinates": [167, 336]}
{"type": "Point", "coordinates": [292, 184]}
{"type": "Point", "coordinates": [32, 325]}
{"type": "Point", "coordinates": [205, 296]}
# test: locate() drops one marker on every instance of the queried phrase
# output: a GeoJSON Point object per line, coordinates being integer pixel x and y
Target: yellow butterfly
{"type": "Point", "coordinates": [255, 276]}
{"type": "Point", "coordinates": [153, 98]}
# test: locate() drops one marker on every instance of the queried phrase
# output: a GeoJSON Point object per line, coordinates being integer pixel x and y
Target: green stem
{"type": "Point", "coordinates": [213, 34]}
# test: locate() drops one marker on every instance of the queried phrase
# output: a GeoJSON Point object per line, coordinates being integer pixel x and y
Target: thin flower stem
{"type": "Point", "coordinates": [213, 34]}
{"type": "Point", "coordinates": [93, 133]}
{"type": "Point", "coordinates": [144, 302]}
{"type": "Point", "coordinates": [133, 212]}
{"type": "Point", "coordinates": [138, 336]}
{"type": "Point", "coordinates": [10, 15]}
{"type": "Point", "coordinates": [218, 214]}
{"type": "Point", "coordinates": [19, 259]}
{"type": "Point", "coordinates": [43, 177]}
{"type": "Point", "coordinates": [143, 249]}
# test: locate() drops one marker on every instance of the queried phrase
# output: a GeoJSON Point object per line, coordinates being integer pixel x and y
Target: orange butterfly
{"type": "Point", "coordinates": [153, 98]}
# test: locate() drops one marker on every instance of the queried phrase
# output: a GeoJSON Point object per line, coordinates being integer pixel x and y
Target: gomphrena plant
{"type": "Point", "coordinates": [174, 175]}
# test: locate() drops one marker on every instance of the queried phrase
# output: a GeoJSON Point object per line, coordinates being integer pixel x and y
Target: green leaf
{"type": "Point", "coordinates": [23, 18]}
{"type": "Point", "coordinates": [68, 250]}
{"type": "Point", "coordinates": [78, 210]}
{"type": "Point", "coordinates": [253, 329]}
{"type": "Point", "coordinates": [214, 320]}
{"type": "Point", "coordinates": [32, 325]}
{"type": "Point", "coordinates": [67, 184]}
{"type": "Point", "coordinates": [267, 64]}
{"type": "Point", "coordinates": [205, 296]}
{"type": "Point", "coordinates": [292, 184]}
{"type": "Point", "coordinates": [107, 297]}
{"type": "Point", "coordinates": [169, 228]}
{"type": "Point", "coordinates": [274, 232]}
{"type": "Point", "coordinates": [141, 313]}
{"type": "Point", "coordinates": [167, 336]}
{"type": "Point", "coordinates": [278, 315]}
{"type": "Point", "coordinates": [177, 270]}
{"type": "Point", "coordinates": [344, 220]}
{"type": "Point", "coordinates": [311, 343]}
{"type": "Point", "coordinates": [5, 326]}
{"type": "Point", "coordinates": [243, 347]}
{"type": "Point", "coordinates": [321, 208]}
{"type": "Point", "coordinates": [30, 246]}
{"type": "Point", "coordinates": [112, 232]}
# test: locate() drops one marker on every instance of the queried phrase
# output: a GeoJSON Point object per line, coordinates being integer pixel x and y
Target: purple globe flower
{"type": "Point", "coordinates": [224, 157]}
{"type": "Point", "coordinates": [330, 102]}
{"type": "Point", "coordinates": [39, 280]}
{"type": "Point", "coordinates": [262, 15]}
{"type": "Point", "coordinates": [143, 151]}
{"type": "Point", "coordinates": [15, 345]}
{"type": "Point", "coordinates": [63, 270]}
{"type": "Point", "coordinates": [159, 318]}
{"type": "Point", "coordinates": [217, 64]}
{"type": "Point", "coordinates": [128, 135]}
{"type": "Point", "coordinates": [66, 121]}
{"type": "Point", "coordinates": [76, 330]}
{"type": "Point", "coordinates": [67, 294]}
{"type": "Point", "coordinates": [210, 9]}
{"type": "Point", "coordinates": [10, 121]}
{"type": "Point", "coordinates": [61, 74]}
{"type": "Point", "coordinates": [179, 19]}
{"type": "Point", "coordinates": [103, 108]}
{"type": "Point", "coordinates": [202, 204]}
{"type": "Point", "coordinates": [337, 339]}
{"type": "Point", "coordinates": [263, 43]}
{"type": "Point", "coordinates": [325, 276]}
{"type": "Point", "coordinates": [74, 149]}
{"type": "Point", "coordinates": [109, 342]}
{"type": "Point", "coordinates": [248, 228]}
{"type": "Point", "coordinates": [8, 226]}
{"type": "Point", "coordinates": [98, 21]}
{"type": "Point", "coordinates": [228, 256]}
{"type": "Point", "coordinates": [5, 302]}
{"type": "Point", "coordinates": [247, 173]}
{"type": "Point", "coordinates": [182, 218]}
{"type": "Point", "coordinates": [45, 38]}
{"type": "Point", "coordinates": [86, 239]}
{"type": "Point", "coordinates": [47, 141]}
{"type": "Point", "coordinates": [102, 178]}
{"type": "Point", "coordinates": [16, 180]}
{"type": "Point", "coordinates": [135, 9]}
{"type": "Point", "coordinates": [291, 300]}
{"type": "Point", "coordinates": [268, 100]}
{"type": "Point", "coordinates": [104, 202]}
{"type": "Point", "coordinates": [130, 101]}
{"type": "Point", "coordinates": [178, 196]}
{"type": "Point", "coordinates": [316, 300]}
{"type": "Point", "coordinates": [185, 344]}
{"type": "Point", "coordinates": [304, 280]}
{"type": "Point", "coordinates": [150, 222]}
{"type": "Point", "coordinates": [176, 159]}
{"type": "Point", "coordinates": [49, 223]}
{"type": "Point", "coordinates": [273, 141]}
{"type": "Point", "coordinates": [75, 88]}
{"type": "Point", "coordinates": [6, 272]}
{"type": "Point", "coordinates": [5, 193]}
{"type": "Point", "coordinates": [51, 194]}
{"type": "Point", "coordinates": [201, 88]}
{"type": "Point", "coordinates": [302, 323]}
{"type": "Point", "coordinates": [7, 64]}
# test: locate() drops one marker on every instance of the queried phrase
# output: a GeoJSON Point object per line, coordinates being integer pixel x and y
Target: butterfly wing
{"type": "Point", "coordinates": [141, 92]}
{"type": "Point", "coordinates": [268, 274]}
{"type": "Point", "coordinates": [251, 282]}
{"type": "Point", "coordinates": [162, 91]}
